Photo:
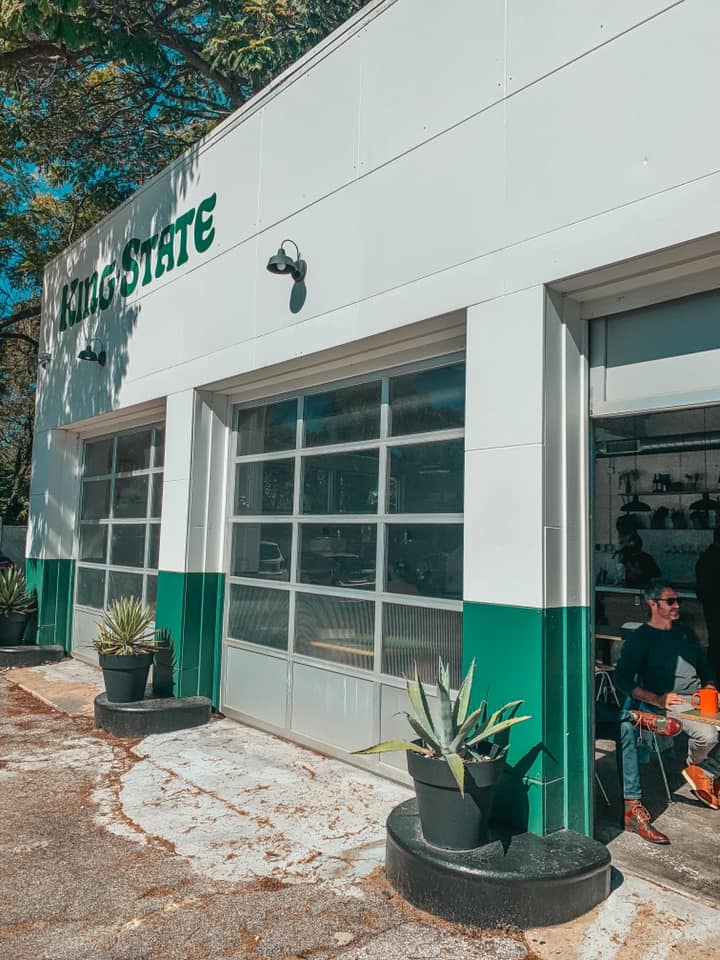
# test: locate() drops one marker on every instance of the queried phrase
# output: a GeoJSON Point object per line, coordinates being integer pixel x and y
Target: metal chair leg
{"type": "Point", "coordinates": [602, 788]}
{"type": "Point", "coordinates": [656, 748]}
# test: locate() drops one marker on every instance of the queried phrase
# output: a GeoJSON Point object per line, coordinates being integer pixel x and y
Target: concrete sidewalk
{"type": "Point", "coordinates": [239, 806]}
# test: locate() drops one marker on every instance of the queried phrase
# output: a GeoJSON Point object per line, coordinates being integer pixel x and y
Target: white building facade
{"type": "Point", "coordinates": [509, 213]}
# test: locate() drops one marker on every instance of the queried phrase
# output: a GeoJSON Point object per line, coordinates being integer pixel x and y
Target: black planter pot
{"type": "Point", "coordinates": [12, 629]}
{"type": "Point", "coordinates": [449, 820]}
{"type": "Point", "coordinates": [125, 676]}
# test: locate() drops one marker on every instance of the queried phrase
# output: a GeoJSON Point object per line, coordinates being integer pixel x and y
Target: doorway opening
{"type": "Point", "coordinates": [655, 517]}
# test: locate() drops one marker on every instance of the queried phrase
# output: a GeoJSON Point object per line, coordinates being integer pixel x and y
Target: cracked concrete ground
{"type": "Point", "coordinates": [109, 854]}
{"type": "Point", "coordinates": [225, 842]}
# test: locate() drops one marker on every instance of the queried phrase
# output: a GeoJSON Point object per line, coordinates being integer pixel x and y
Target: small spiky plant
{"type": "Point", "coordinates": [14, 594]}
{"type": "Point", "coordinates": [125, 629]}
{"type": "Point", "coordinates": [454, 736]}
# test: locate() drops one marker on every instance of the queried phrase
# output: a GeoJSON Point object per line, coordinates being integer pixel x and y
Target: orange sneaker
{"type": "Point", "coordinates": [703, 786]}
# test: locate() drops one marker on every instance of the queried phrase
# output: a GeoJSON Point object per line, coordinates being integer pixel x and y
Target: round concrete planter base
{"type": "Point", "coordinates": [520, 879]}
{"type": "Point", "coordinates": [158, 715]}
{"type": "Point", "coordinates": [31, 656]}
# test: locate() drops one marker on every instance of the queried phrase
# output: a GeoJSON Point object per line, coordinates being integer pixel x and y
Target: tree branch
{"type": "Point", "coordinates": [19, 336]}
{"type": "Point", "coordinates": [26, 314]}
{"type": "Point", "coordinates": [35, 52]}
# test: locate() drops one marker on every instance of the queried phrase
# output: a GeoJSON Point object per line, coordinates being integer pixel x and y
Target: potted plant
{"type": "Point", "coordinates": [17, 605]}
{"type": "Point", "coordinates": [126, 644]}
{"type": "Point", "coordinates": [454, 764]}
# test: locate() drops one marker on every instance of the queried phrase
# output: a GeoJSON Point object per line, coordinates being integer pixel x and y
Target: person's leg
{"type": "Point", "coordinates": [702, 738]}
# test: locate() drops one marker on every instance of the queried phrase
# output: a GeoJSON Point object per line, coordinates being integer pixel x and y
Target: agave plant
{"type": "Point", "coordinates": [125, 629]}
{"type": "Point", "coordinates": [454, 736]}
{"type": "Point", "coordinates": [14, 594]}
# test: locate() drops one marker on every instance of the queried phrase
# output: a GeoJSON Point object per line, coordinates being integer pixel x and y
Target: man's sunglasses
{"type": "Point", "coordinates": [670, 601]}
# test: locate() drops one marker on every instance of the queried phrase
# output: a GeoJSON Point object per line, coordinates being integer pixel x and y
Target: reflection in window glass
{"type": "Point", "coordinates": [267, 429]}
{"type": "Point", "coordinates": [98, 458]}
{"type": "Point", "coordinates": [343, 416]}
{"type": "Point", "coordinates": [90, 588]}
{"type": "Point", "coordinates": [93, 543]}
{"type": "Point", "coordinates": [156, 494]}
{"type": "Point", "coordinates": [417, 636]}
{"type": "Point", "coordinates": [159, 447]}
{"type": "Point", "coordinates": [259, 616]}
{"type": "Point", "coordinates": [341, 482]}
{"type": "Point", "coordinates": [95, 500]}
{"type": "Point", "coordinates": [425, 560]}
{"type": "Point", "coordinates": [127, 545]}
{"type": "Point", "coordinates": [336, 629]}
{"type": "Point", "coordinates": [261, 550]}
{"type": "Point", "coordinates": [153, 545]}
{"type": "Point", "coordinates": [151, 591]}
{"type": "Point", "coordinates": [133, 451]}
{"type": "Point", "coordinates": [130, 497]}
{"type": "Point", "coordinates": [427, 478]}
{"type": "Point", "coordinates": [428, 400]}
{"type": "Point", "coordinates": [122, 584]}
{"type": "Point", "coordinates": [338, 556]}
{"type": "Point", "coordinates": [264, 487]}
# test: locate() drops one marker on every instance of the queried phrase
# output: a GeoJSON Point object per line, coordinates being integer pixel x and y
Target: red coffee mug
{"type": "Point", "coordinates": [706, 701]}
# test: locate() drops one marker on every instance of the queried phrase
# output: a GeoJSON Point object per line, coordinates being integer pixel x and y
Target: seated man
{"type": "Point", "coordinates": [662, 665]}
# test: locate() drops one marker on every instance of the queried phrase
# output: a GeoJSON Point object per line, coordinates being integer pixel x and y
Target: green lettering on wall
{"type": "Point", "coordinates": [130, 265]}
{"type": "Point", "coordinates": [181, 226]}
{"type": "Point", "coordinates": [107, 285]}
{"type": "Point", "coordinates": [204, 229]}
{"type": "Point", "coordinates": [146, 249]}
{"type": "Point", "coordinates": [91, 302]}
{"type": "Point", "coordinates": [67, 313]}
{"type": "Point", "coordinates": [140, 263]}
{"type": "Point", "coordinates": [166, 251]}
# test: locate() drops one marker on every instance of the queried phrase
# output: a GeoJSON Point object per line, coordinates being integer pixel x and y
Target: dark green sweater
{"type": "Point", "coordinates": [662, 661]}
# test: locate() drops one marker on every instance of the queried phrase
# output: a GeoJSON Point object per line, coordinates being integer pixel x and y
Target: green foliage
{"type": "Point", "coordinates": [14, 594]}
{"type": "Point", "coordinates": [453, 735]}
{"type": "Point", "coordinates": [125, 629]}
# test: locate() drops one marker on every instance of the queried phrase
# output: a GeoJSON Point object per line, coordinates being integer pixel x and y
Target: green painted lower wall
{"type": "Point", "coordinates": [541, 657]}
{"type": "Point", "coordinates": [54, 583]}
{"type": "Point", "coordinates": [190, 607]}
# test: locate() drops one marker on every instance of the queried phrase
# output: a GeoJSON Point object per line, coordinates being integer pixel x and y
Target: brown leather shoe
{"type": "Point", "coordinates": [637, 820]}
{"type": "Point", "coordinates": [656, 723]}
{"type": "Point", "coordinates": [703, 786]}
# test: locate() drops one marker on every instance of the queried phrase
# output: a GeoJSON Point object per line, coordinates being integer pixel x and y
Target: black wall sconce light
{"type": "Point", "coordinates": [283, 265]}
{"type": "Point", "coordinates": [89, 354]}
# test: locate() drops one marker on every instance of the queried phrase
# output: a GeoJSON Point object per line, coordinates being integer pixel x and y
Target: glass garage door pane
{"type": "Point", "coordinates": [428, 400]}
{"type": "Point", "coordinates": [343, 416]}
{"type": "Point", "coordinates": [98, 458]}
{"type": "Point", "coordinates": [133, 451]}
{"type": "Point", "coordinates": [341, 482]}
{"type": "Point", "coordinates": [261, 551]}
{"type": "Point", "coordinates": [90, 588]}
{"type": "Point", "coordinates": [124, 585]}
{"type": "Point", "coordinates": [264, 487]}
{"type": "Point", "coordinates": [266, 429]}
{"type": "Point", "coordinates": [427, 477]}
{"type": "Point", "coordinates": [338, 556]}
{"type": "Point", "coordinates": [131, 497]}
{"type": "Point", "coordinates": [95, 500]}
{"type": "Point", "coordinates": [418, 636]}
{"type": "Point", "coordinates": [336, 629]}
{"type": "Point", "coordinates": [93, 542]}
{"type": "Point", "coordinates": [425, 560]}
{"type": "Point", "coordinates": [259, 616]}
{"type": "Point", "coordinates": [127, 545]}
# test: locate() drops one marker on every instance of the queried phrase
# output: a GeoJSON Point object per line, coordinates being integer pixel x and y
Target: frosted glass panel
{"type": "Point", "coordinates": [259, 616]}
{"type": "Point", "coordinates": [418, 636]}
{"type": "Point", "coordinates": [333, 628]}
